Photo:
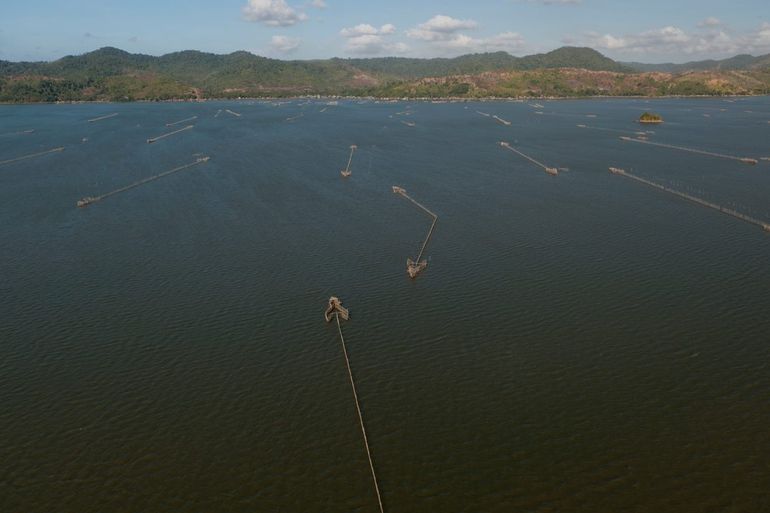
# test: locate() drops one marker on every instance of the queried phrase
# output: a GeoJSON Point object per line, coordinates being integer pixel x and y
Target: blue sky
{"type": "Point", "coordinates": [672, 30]}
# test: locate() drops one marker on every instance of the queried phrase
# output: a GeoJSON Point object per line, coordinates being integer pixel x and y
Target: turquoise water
{"type": "Point", "coordinates": [577, 343]}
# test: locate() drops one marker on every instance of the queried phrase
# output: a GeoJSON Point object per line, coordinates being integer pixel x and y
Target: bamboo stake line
{"type": "Point", "coordinates": [425, 242]}
{"type": "Point", "coordinates": [611, 130]}
{"type": "Point", "coordinates": [181, 121]}
{"type": "Point", "coordinates": [358, 409]}
{"type": "Point", "coordinates": [346, 172]}
{"type": "Point", "coordinates": [9, 161]}
{"type": "Point", "coordinates": [549, 170]}
{"type": "Point", "coordinates": [108, 116]}
{"type": "Point", "coordinates": [413, 267]}
{"type": "Point", "coordinates": [734, 213]}
{"type": "Point", "coordinates": [745, 160]}
{"type": "Point", "coordinates": [154, 139]}
{"type": "Point", "coordinates": [501, 120]}
{"type": "Point", "coordinates": [93, 199]}
{"type": "Point", "coordinates": [20, 132]}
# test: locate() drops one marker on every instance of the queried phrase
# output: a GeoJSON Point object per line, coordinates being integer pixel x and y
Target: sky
{"type": "Point", "coordinates": [647, 31]}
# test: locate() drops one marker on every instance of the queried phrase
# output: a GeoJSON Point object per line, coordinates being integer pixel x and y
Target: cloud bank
{"type": "Point", "coordinates": [712, 40]}
{"type": "Point", "coordinates": [274, 13]}
{"type": "Point", "coordinates": [366, 39]}
{"type": "Point", "coordinates": [447, 35]}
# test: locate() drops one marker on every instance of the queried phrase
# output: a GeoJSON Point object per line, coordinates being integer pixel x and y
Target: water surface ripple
{"type": "Point", "coordinates": [578, 343]}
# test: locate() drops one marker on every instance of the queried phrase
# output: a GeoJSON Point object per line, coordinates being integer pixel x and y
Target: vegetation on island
{"type": "Point", "coordinates": [649, 117]}
{"type": "Point", "coordinates": [110, 74]}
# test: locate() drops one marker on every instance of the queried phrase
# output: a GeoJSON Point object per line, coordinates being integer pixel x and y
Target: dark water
{"type": "Point", "coordinates": [579, 343]}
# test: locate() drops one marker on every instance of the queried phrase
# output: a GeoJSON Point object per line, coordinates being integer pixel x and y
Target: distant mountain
{"type": "Point", "coordinates": [573, 82]}
{"type": "Point", "coordinates": [739, 62]}
{"type": "Point", "coordinates": [407, 69]}
{"type": "Point", "coordinates": [111, 73]}
{"type": "Point", "coordinates": [572, 57]}
{"type": "Point", "coordinates": [116, 75]}
{"type": "Point", "coordinates": [566, 57]}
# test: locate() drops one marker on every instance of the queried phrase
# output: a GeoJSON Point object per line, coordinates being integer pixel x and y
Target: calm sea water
{"type": "Point", "coordinates": [579, 343]}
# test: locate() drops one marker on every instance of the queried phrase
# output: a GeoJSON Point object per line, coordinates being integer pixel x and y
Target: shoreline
{"type": "Point", "coordinates": [444, 99]}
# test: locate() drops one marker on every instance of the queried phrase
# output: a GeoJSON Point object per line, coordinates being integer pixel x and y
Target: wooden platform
{"type": "Point", "coordinates": [335, 308]}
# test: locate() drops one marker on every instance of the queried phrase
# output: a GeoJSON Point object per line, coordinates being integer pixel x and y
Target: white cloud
{"type": "Point", "coordinates": [319, 4]}
{"type": "Point", "coordinates": [440, 28]}
{"type": "Point", "coordinates": [714, 40]}
{"type": "Point", "coordinates": [762, 39]}
{"type": "Point", "coordinates": [710, 22]}
{"type": "Point", "coordinates": [275, 13]}
{"type": "Point", "coordinates": [366, 39]}
{"type": "Point", "coordinates": [668, 39]}
{"type": "Point", "coordinates": [284, 44]}
{"type": "Point", "coordinates": [388, 29]}
{"type": "Point", "coordinates": [362, 29]}
{"type": "Point", "coordinates": [509, 41]}
{"type": "Point", "coordinates": [460, 42]}
{"type": "Point", "coordinates": [606, 41]}
{"type": "Point", "coordinates": [445, 35]}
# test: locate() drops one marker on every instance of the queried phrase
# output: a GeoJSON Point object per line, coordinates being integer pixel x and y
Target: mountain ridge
{"type": "Point", "coordinates": [110, 73]}
{"type": "Point", "coordinates": [744, 62]}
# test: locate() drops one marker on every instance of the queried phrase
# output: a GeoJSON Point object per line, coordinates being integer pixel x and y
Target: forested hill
{"type": "Point", "coordinates": [113, 74]}
{"type": "Point", "coordinates": [738, 63]}
{"type": "Point", "coordinates": [116, 75]}
{"type": "Point", "coordinates": [409, 69]}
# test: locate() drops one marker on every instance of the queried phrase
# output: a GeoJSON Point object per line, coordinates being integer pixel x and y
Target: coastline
{"type": "Point", "coordinates": [442, 99]}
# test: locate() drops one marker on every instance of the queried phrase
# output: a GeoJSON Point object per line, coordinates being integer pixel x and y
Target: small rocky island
{"type": "Point", "coordinates": [650, 118]}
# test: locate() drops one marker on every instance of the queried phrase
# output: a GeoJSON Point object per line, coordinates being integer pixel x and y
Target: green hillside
{"type": "Point", "coordinates": [738, 63]}
{"type": "Point", "coordinates": [111, 74]}
{"type": "Point", "coordinates": [571, 57]}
